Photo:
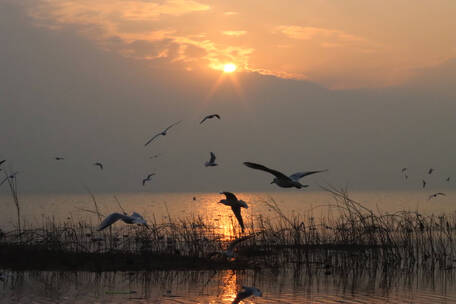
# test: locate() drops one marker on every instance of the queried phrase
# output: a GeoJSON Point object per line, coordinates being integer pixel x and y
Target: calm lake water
{"type": "Point", "coordinates": [37, 208]}
{"type": "Point", "coordinates": [289, 285]}
{"type": "Point", "coordinates": [281, 286]}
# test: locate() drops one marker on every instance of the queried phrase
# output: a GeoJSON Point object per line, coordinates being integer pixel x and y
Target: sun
{"type": "Point", "coordinates": [229, 68]}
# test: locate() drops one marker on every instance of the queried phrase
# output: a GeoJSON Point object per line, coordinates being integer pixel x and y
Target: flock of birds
{"type": "Point", "coordinates": [280, 179]}
{"type": "Point", "coordinates": [424, 182]}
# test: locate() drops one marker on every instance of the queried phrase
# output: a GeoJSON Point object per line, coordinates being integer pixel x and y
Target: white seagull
{"type": "Point", "coordinates": [235, 204]}
{"type": "Point", "coordinates": [164, 132]}
{"type": "Point", "coordinates": [247, 292]}
{"type": "Point", "coordinates": [209, 117]}
{"type": "Point", "coordinates": [436, 194]}
{"type": "Point", "coordinates": [281, 179]}
{"type": "Point", "coordinates": [211, 162]}
{"type": "Point", "coordinates": [134, 218]}
{"type": "Point", "coordinates": [147, 178]}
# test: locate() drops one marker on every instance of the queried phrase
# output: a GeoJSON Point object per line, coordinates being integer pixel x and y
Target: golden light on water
{"type": "Point", "coordinates": [229, 68]}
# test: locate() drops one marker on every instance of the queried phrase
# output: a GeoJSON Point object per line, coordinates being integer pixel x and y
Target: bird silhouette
{"type": "Point", "coordinates": [235, 204]}
{"type": "Point", "coordinates": [211, 162]}
{"type": "Point", "coordinates": [209, 117]}
{"type": "Point", "coordinates": [163, 133]}
{"type": "Point", "coordinates": [281, 179]}
{"type": "Point", "coordinates": [149, 176]}
{"type": "Point", "coordinates": [98, 164]}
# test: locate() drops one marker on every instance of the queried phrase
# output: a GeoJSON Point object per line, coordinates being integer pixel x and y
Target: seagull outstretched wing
{"type": "Point", "coordinates": [229, 196]}
{"type": "Point", "coordinates": [276, 173]}
{"type": "Point", "coordinates": [111, 219]}
{"type": "Point", "coordinates": [298, 175]}
{"type": "Point", "coordinates": [152, 138]}
{"type": "Point", "coordinates": [237, 213]}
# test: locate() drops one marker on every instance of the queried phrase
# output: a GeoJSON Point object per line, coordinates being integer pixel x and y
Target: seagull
{"type": "Point", "coordinates": [424, 183]}
{"type": "Point", "coordinates": [134, 218]}
{"type": "Point", "coordinates": [155, 155]}
{"type": "Point", "coordinates": [209, 117]}
{"type": "Point", "coordinates": [430, 171]}
{"type": "Point", "coordinates": [403, 170]}
{"type": "Point", "coordinates": [59, 158]}
{"type": "Point", "coordinates": [147, 178]}
{"type": "Point", "coordinates": [211, 162]}
{"type": "Point", "coordinates": [164, 132]}
{"type": "Point", "coordinates": [436, 194]}
{"type": "Point", "coordinates": [281, 179]}
{"type": "Point", "coordinates": [247, 292]}
{"type": "Point", "coordinates": [235, 204]}
{"type": "Point", "coordinates": [229, 252]}
{"type": "Point", "coordinates": [448, 179]}
{"type": "Point", "coordinates": [11, 176]}
{"type": "Point", "coordinates": [100, 165]}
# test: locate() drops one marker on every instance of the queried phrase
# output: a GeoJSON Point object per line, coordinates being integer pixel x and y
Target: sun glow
{"type": "Point", "coordinates": [229, 68]}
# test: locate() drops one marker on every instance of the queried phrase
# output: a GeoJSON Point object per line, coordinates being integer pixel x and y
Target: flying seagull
{"type": "Point", "coordinates": [247, 292]}
{"type": "Point", "coordinates": [209, 117]}
{"type": "Point", "coordinates": [11, 176]}
{"type": "Point", "coordinates": [235, 204]}
{"type": "Point", "coordinates": [403, 170]}
{"type": "Point", "coordinates": [147, 178]}
{"type": "Point", "coordinates": [430, 171]}
{"type": "Point", "coordinates": [436, 194]}
{"type": "Point", "coordinates": [448, 179]}
{"type": "Point", "coordinates": [211, 162]}
{"type": "Point", "coordinates": [134, 218]}
{"type": "Point", "coordinates": [424, 183]}
{"type": "Point", "coordinates": [229, 252]}
{"type": "Point", "coordinates": [281, 179]}
{"type": "Point", "coordinates": [100, 165]}
{"type": "Point", "coordinates": [164, 132]}
{"type": "Point", "coordinates": [59, 158]}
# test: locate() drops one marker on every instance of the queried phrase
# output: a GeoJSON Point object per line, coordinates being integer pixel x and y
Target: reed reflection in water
{"type": "Point", "coordinates": [287, 285]}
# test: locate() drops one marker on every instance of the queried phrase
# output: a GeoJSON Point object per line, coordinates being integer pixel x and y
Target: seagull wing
{"type": "Point", "coordinates": [153, 137]}
{"type": "Point", "coordinates": [241, 296]}
{"type": "Point", "coordinates": [229, 196]}
{"type": "Point", "coordinates": [263, 168]}
{"type": "Point", "coordinates": [216, 115]}
{"type": "Point", "coordinates": [298, 175]}
{"type": "Point", "coordinates": [237, 213]}
{"type": "Point", "coordinates": [1, 162]}
{"type": "Point", "coordinates": [234, 243]}
{"type": "Point", "coordinates": [204, 119]}
{"type": "Point", "coordinates": [212, 157]}
{"type": "Point", "coordinates": [111, 219]}
{"type": "Point", "coordinates": [441, 193]}
{"type": "Point", "coordinates": [176, 123]}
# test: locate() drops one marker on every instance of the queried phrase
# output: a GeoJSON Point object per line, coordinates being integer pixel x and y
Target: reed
{"type": "Point", "coordinates": [354, 235]}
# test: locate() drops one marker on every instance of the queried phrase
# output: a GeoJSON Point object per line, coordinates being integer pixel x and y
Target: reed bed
{"type": "Point", "coordinates": [355, 236]}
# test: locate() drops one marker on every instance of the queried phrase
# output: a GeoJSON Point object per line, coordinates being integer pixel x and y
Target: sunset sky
{"type": "Point", "coordinates": [362, 88]}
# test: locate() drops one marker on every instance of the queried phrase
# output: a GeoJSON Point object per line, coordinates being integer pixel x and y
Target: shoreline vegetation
{"type": "Point", "coordinates": [355, 236]}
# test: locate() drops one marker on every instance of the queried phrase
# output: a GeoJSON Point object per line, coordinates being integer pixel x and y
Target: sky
{"type": "Point", "coordinates": [361, 88]}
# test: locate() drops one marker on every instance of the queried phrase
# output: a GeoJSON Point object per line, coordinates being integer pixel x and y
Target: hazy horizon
{"type": "Point", "coordinates": [86, 83]}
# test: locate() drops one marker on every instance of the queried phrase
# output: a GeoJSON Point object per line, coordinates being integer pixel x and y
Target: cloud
{"type": "Point", "coordinates": [329, 38]}
{"type": "Point", "coordinates": [234, 33]}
